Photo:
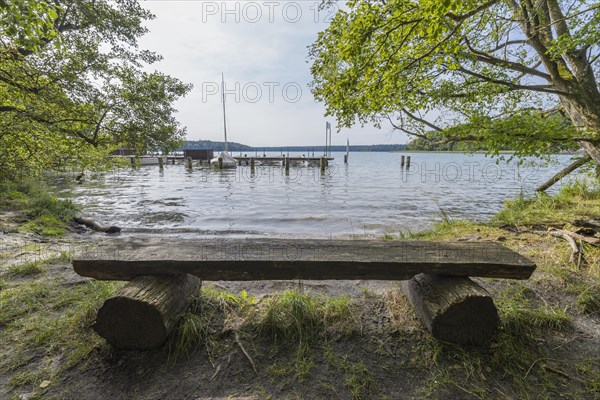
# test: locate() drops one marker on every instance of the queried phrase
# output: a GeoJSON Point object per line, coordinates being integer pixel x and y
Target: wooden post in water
{"type": "Point", "coordinates": [402, 162]}
{"type": "Point", "coordinates": [161, 163]}
{"type": "Point", "coordinates": [347, 151]}
{"type": "Point", "coordinates": [132, 162]}
{"type": "Point", "coordinates": [287, 166]}
{"type": "Point", "coordinates": [252, 165]}
{"type": "Point", "coordinates": [189, 163]}
{"type": "Point", "coordinates": [323, 165]}
{"type": "Point", "coordinates": [407, 162]}
{"type": "Point", "coordinates": [240, 162]}
{"type": "Point", "coordinates": [173, 161]}
{"type": "Point", "coordinates": [220, 162]}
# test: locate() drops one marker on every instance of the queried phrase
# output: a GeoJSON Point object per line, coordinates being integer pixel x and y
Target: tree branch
{"type": "Point", "coordinates": [423, 121]}
{"type": "Point", "coordinates": [516, 86]}
{"type": "Point", "coordinates": [473, 12]}
{"type": "Point", "coordinates": [490, 59]}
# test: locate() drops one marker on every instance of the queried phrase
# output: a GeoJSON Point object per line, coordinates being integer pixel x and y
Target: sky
{"type": "Point", "coordinates": [261, 48]}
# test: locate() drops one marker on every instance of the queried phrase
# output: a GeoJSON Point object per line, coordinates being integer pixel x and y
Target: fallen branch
{"type": "Point", "coordinates": [239, 342]}
{"type": "Point", "coordinates": [572, 167]}
{"type": "Point", "coordinates": [90, 223]}
{"type": "Point", "coordinates": [591, 240]}
{"type": "Point", "coordinates": [574, 248]}
{"type": "Point", "coordinates": [590, 223]}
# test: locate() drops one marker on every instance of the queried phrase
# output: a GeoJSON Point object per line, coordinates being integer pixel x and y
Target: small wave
{"type": "Point", "coordinates": [157, 217]}
{"type": "Point", "coordinates": [191, 230]}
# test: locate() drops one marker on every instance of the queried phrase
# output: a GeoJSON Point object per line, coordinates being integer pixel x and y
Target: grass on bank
{"type": "Point", "coordinates": [578, 200]}
{"type": "Point", "coordinates": [43, 320]}
{"type": "Point", "coordinates": [35, 209]}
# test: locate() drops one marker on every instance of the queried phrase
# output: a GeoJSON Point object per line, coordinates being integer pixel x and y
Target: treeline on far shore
{"type": "Point", "coordinates": [431, 144]}
{"type": "Point", "coordinates": [237, 147]}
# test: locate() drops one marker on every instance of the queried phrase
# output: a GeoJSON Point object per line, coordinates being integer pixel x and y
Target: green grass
{"type": "Point", "coordinates": [358, 379]}
{"type": "Point", "coordinates": [518, 356]}
{"type": "Point", "coordinates": [580, 199]}
{"type": "Point", "coordinates": [588, 300]}
{"type": "Point", "coordinates": [39, 212]}
{"type": "Point", "coordinates": [42, 319]}
{"type": "Point", "coordinates": [30, 268]}
{"type": "Point", "coordinates": [297, 317]}
{"type": "Point", "coordinates": [200, 325]}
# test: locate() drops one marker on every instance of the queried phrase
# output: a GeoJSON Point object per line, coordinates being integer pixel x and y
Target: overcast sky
{"type": "Point", "coordinates": [261, 47]}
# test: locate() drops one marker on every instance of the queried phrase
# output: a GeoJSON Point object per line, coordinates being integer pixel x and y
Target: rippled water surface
{"type": "Point", "coordinates": [371, 195]}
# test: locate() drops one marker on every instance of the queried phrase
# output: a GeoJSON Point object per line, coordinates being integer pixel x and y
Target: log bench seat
{"type": "Point", "coordinates": [164, 274]}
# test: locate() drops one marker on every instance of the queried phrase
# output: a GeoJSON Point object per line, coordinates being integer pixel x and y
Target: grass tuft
{"type": "Point", "coordinates": [520, 317]}
{"type": "Point", "coordinates": [292, 316]}
{"type": "Point", "coordinates": [588, 300]}
{"type": "Point", "coordinates": [29, 268]}
{"type": "Point", "coordinates": [575, 200]}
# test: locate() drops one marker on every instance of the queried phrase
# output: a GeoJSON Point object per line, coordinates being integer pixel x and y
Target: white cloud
{"type": "Point", "coordinates": [251, 55]}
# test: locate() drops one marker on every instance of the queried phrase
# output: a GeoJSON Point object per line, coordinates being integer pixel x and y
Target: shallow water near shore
{"type": "Point", "coordinates": [372, 195]}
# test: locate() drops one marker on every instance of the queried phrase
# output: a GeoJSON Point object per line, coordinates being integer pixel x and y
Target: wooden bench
{"type": "Point", "coordinates": [164, 274]}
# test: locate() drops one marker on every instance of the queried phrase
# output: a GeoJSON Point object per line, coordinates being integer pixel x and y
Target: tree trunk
{"type": "Point", "coordinates": [454, 309]}
{"type": "Point", "coordinates": [593, 151]}
{"type": "Point", "coordinates": [572, 167]}
{"type": "Point", "coordinates": [143, 313]}
{"type": "Point", "coordinates": [584, 117]}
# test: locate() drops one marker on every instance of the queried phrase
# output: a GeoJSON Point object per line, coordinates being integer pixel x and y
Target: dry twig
{"type": "Point", "coordinates": [239, 342]}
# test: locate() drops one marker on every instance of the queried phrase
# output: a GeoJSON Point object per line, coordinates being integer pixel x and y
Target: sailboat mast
{"type": "Point", "coordinates": [224, 119]}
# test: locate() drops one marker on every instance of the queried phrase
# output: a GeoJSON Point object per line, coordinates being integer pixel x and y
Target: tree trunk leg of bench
{"type": "Point", "coordinates": [454, 309]}
{"type": "Point", "coordinates": [143, 313]}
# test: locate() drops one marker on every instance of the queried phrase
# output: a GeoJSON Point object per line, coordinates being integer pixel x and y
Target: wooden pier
{"type": "Point", "coordinates": [246, 160]}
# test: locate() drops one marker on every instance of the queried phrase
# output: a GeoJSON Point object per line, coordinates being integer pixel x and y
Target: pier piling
{"type": "Point", "coordinates": [189, 163]}
{"type": "Point", "coordinates": [407, 162]}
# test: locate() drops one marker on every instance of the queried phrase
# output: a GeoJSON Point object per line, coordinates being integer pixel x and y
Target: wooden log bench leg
{"type": "Point", "coordinates": [143, 313]}
{"type": "Point", "coordinates": [454, 309]}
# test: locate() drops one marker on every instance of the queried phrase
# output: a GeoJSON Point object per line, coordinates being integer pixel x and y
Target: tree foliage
{"type": "Point", "coordinates": [74, 85]}
{"type": "Point", "coordinates": [500, 72]}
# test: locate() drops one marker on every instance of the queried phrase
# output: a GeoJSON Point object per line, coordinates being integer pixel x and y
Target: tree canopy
{"type": "Point", "coordinates": [501, 72]}
{"type": "Point", "coordinates": [74, 84]}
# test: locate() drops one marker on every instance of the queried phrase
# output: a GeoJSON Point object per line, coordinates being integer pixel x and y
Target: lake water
{"type": "Point", "coordinates": [372, 195]}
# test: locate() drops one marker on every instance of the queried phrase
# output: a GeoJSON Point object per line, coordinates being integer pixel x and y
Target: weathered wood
{"type": "Point", "coordinates": [454, 309]}
{"type": "Point", "coordinates": [90, 223]}
{"type": "Point", "coordinates": [144, 312]}
{"type": "Point", "coordinates": [588, 239]}
{"type": "Point", "coordinates": [271, 259]}
{"type": "Point", "coordinates": [570, 241]}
